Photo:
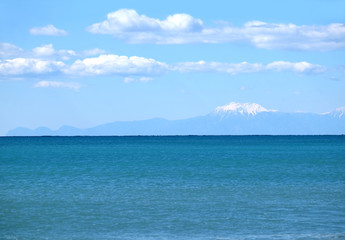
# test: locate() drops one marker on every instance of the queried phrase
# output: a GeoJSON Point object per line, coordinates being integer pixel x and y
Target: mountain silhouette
{"type": "Point", "coordinates": [231, 119]}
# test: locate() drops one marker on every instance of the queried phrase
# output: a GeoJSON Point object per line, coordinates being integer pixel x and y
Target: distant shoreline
{"type": "Point", "coordinates": [254, 135]}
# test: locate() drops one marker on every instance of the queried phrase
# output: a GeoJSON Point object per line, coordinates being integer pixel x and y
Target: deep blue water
{"type": "Point", "coordinates": [228, 187]}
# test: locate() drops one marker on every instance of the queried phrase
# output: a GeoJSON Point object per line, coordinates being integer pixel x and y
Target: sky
{"type": "Point", "coordinates": [85, 63]}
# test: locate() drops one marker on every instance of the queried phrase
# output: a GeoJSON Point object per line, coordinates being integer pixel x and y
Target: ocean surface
{"type": "Point", "coordinates": [193, 187]}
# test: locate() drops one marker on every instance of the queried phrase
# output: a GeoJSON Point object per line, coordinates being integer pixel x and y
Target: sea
{"type": "Point", "coordinates": [172, 187]}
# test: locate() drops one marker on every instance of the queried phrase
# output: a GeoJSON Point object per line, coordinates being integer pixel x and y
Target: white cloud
{"type": "Point", "coordinates": [20, 66]}
{"type": "Point", "coordinates": [53, 84]}
{"type": "Point", "coordinates": [181, 23]}
{"type": "Point", "coordinates": [301, 67]}
{"type": "Point", "coordinates": [45, 50]}
{"type": "Point", "coordinates": [127, 24]}
{"type": "Point", "coordinates": [124, 20]}
{"type": "Point", "coordinates": [232, 68]}
{"type": "Point", "coordinates": [93, 52]}
{"type": "Point", "coordinates": [49, 51]}
{"type": "Point", "coordinates": [116, 65]}
{"type": "Point", "coordinates": [244, 67]}
{"type": "Point", "coordinates": [9, 50]}
{"type": "Point", "coordinates": [141, 79]}
{"type": "Point", "coordinates": [49, 30]}
{"type": "Point", "coordinates": [144, 68]}
{"type": "Point", "coordinates": [294, 37]}
{"type": "Point", "coordinates": [128, 20]}
{"type": "Point", "coordinates": [45, 59]}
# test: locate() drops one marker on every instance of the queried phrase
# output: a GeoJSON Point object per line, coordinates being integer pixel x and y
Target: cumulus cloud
{"type": "Point", "coordinates": [300, 67]}
{"type": "Point", "coordinates": [116, 65]}
{"type": "Point", "coordinates": [40, 60]}
{"type": "Point", "coordinates": [8, 50]}
{"type": "Point", "coordinates": [127, 24]}
{"type": "Point", "coordinates": [49, 30]}
{"type": "Point", "coordinates": [232, 68]}
{"type": "Point", "coordinates": [144, 68]}
{"type": "Point", "coordinates": [45, 59]}
{"type": "Point", "coordinates": [49, 51]}
{"type": "Point", "coordinates": [245, 67]}
{"type": "Point", "coordinates": [294, 37]}
{"type": "Point", "coordinates": [128, 20]}
{"type": "Point", "coordinates": [20, 66]}
{"type": "Point", "coordinates": [54, 84]}
{"type": "Point", "coordinates": [45, 50]}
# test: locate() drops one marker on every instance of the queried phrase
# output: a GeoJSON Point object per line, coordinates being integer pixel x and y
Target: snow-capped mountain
{"type": "Point", "coordinates": [241, 108]}
{"type": "Point", "coordinates": [338, 113]}
{"type": "Point", "coordinates": [232, 119]}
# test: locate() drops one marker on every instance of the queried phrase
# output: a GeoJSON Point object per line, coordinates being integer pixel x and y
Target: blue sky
{"type": "Point", "coordinates": [84, 63]}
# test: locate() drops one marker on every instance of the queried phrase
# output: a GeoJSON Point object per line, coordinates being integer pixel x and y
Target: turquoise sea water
{"type": "Point", "coordinates": [243, 187]}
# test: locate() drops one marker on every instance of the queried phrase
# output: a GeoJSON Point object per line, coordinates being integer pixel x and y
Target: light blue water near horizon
{"type": "Point", "coordinates": [192, 187]}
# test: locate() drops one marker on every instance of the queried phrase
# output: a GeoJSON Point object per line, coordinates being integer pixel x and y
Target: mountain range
{"type": "Point", "coordinates": [231, 119]}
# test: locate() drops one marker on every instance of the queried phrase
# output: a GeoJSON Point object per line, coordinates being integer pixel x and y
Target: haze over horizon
{"type": "Point", "coordinates": [86, 64]}
{"type": "Point", "coordinates": [231, 119]}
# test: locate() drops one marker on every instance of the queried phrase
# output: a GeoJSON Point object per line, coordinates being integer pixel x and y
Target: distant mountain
{"type": "Point", "coordinates": [241, 108]}
{"type": "Point", "coordinates": [338, 113]}
{"type": "Point", "coordinates": [231, 119]}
